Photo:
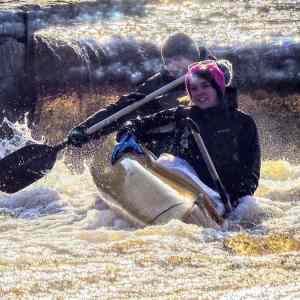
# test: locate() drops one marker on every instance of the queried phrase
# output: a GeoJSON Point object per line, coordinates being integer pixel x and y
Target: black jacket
{"type": "Point", "coordinates": [231, 139]}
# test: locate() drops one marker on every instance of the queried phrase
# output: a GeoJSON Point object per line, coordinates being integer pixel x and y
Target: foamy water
{"type": "Point", "coordinates": [60, 241]}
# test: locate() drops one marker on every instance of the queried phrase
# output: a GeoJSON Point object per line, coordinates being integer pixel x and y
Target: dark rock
{"type": "Point", "coordinates": [12, 77]}
{"type": "Point", "coordinates": [270, 67]}
{"type": "Point", "coordinates": [60, 64]}
{"type": "Point", "coordinates": [12, 24]}
{"type": "Point", "coordinates": [6, 132]}
{"type": "Point", "coordinates": [12, 54]}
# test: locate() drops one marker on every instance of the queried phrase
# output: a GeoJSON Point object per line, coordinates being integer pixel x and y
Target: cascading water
{"type": "Point", "coordinates": [59, 240]}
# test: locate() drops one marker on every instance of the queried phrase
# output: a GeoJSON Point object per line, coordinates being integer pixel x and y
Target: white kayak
{"type": "Point", "coordinates": [148, 191]}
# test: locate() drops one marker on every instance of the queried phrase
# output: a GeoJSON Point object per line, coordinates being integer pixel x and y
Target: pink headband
{"type": "Point", "coordinates": [209, 67]}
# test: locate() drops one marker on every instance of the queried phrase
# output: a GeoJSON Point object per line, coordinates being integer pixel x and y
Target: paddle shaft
{"type": "Point", "coordinates": [116, 116]}
{"type": "Point", "coordinates": [210, 165]}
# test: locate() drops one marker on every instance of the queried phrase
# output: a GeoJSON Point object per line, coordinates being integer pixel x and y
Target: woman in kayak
{"type": "Point", "coordinates": [231, 136]}
{"type": "Point", "coordinates": [177, 52]}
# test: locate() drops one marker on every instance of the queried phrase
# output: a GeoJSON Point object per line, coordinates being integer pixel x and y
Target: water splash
{"type": "Point", "coordinates": [13, 136]}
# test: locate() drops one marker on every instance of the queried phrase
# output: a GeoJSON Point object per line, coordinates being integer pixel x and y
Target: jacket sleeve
{"type": "Point", "coordinates": [109, 110]}
{"type": "Point", "coordinates": [141, 91]}
{"type": "Point", "coordinates": [250, 157]}
{"type": "Point", "coordinates": [140, 126]}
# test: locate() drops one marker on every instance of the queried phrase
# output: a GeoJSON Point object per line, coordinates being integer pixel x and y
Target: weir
{"type": "Point", "coordinates": [62, 61]}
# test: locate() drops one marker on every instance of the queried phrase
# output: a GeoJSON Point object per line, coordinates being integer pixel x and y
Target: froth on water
{"type": "Point", "coordinates": [59, 238]}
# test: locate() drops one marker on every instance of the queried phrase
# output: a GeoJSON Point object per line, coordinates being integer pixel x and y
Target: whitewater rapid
{"type": "Point", "coordinates": [59, 240]}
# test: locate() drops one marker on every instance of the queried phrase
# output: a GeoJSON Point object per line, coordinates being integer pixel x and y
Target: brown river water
{"type": "Point", "coordinates": [58, 240]}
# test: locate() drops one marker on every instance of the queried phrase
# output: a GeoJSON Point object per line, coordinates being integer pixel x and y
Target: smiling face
{"type": "Point", "coordinates": [203, 95]}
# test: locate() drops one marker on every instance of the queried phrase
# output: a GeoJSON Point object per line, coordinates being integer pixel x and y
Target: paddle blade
{"type": "Point", "coordinates": [26, 165]}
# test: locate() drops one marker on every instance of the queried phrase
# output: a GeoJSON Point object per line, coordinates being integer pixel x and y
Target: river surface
{"type": "Point", "coordinates": [211, 23]}
{"type": "Point", "coordinates": [60, 241]}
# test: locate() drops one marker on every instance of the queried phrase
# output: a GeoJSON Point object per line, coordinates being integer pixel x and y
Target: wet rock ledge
{"type": "Point", "coordinates": [19, 20]}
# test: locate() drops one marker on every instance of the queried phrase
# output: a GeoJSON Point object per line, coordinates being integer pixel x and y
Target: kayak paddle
{"type": "Point", "coordinates": [30, 163]}
{"type": "Point", "coordinates": [210, 165]}
{"type": "Point", "coordinates": [26, 165]}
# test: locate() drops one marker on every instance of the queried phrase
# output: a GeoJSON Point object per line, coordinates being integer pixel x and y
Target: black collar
{"type": "Point", "coordinates": [209, 111]}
